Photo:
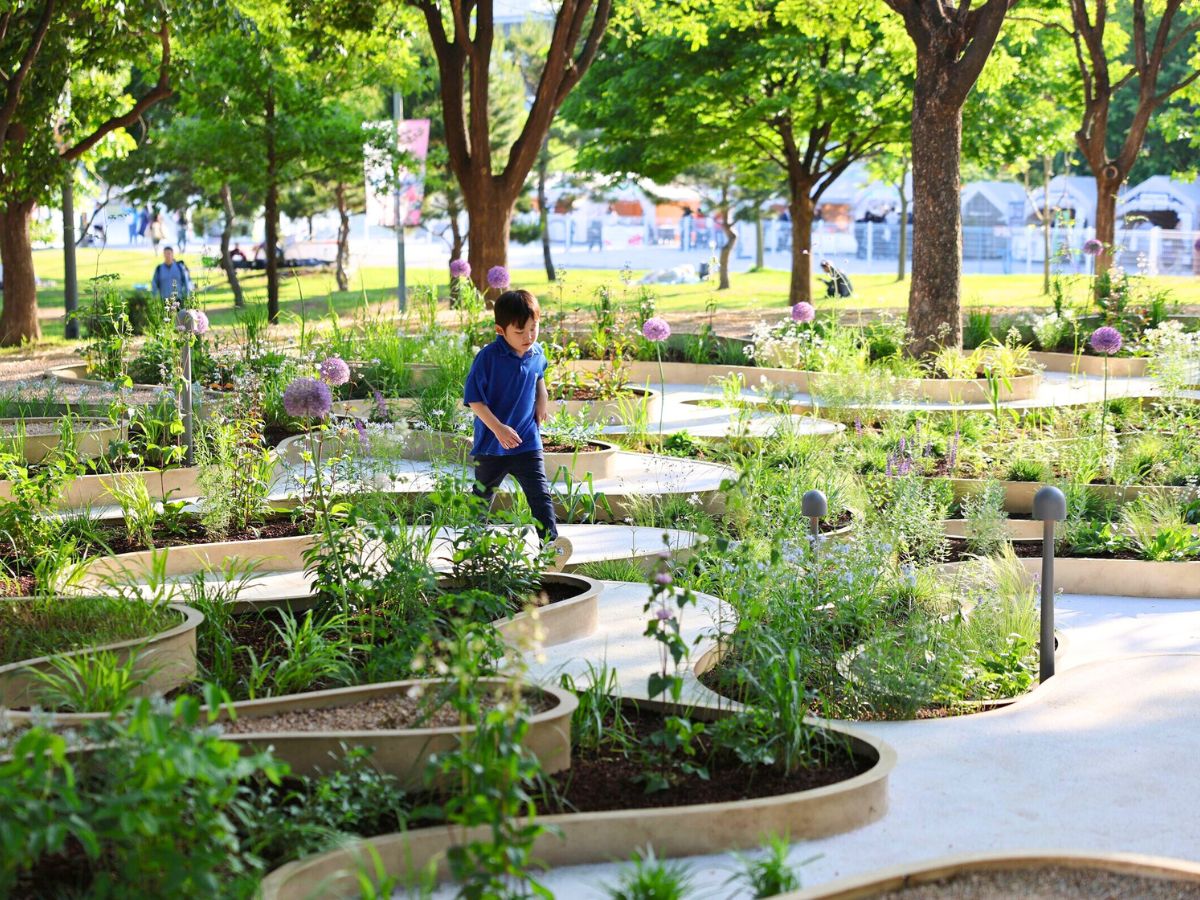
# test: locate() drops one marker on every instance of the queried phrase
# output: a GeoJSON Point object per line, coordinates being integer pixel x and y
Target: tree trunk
{"type": "Point", "coordinates": [489, 214]}
{"type": "Point", "coordinates": [343, 238]}
{"type": "Point", "coordinates": [19, 317]}
{"type": "Point", "coordinates": [235, 285]}
{"type": "Point", "coordinates": [727, 250]}
{"type": "Point", "coordinates": [759, 259]}
{"type": "Point", "coordinates": [544, 215]}
{"type": "Point", "coordinates": [934, 318]}
{"type": "Point", "coordinates": [1108, 182]}
{"type": "Point", "coordinates": [800, 206]}
{"type": "Point", "coordinates": [901, 266]}
{"type": "Point", "coordinates": [271, 212]}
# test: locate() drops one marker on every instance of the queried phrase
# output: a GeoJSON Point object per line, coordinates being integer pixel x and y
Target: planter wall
{"type": "Point", "coordinates": [77, 373]}
{"type": "Point", "coordinates": [597, 837]}
{"type": "Point", "coordinates": [1123, 577]}
{"type": "Point", "coordinates": [168, 658]}
{"type": "Point", "coordinates": [934, 390]}
{"type": "Point", "coordinates": [408, 444]}
{"type": "Point", "coordinates": [92, 437]}
{"type": "Point", "coordinates": [266, 557]}
{"type": "Point", "coordinates": [1018, 495]}
{"type": "Point", "coordinates": [898, 878]}
{"type": "Point", "coordinates": [97, 490]}
{"type": "Point", "coordinates": [599, 460]}
{"type": "Point", "coordinates": [610, 412]}
{"type": "Point", "coordinates": [399, 752]}
{"type": "Point", "coordinates": [1015, 529]}
{"type": "Point", "coordinates": [556, 623]}
{"type": "Point", "coordinates": [1118, 367]}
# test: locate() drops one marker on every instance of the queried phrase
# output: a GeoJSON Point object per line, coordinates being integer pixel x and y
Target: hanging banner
{"type": "Point", "coordinates": [412, 138]}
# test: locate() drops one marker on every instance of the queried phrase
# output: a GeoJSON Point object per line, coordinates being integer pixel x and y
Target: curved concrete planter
{"type": "Point", "coordinates": [934, 390]}
{"type": "Point", "coordinates": [167, 658]}
{"type": "Point", "coordinates": [421, 374]}
{"type": "Point", "coordinates": [898, 878]}
{"type": "Point", "coordinates": [1118, 367]}
{"type": "Point", "coordinates": [1015, 529]}
{"type": "Point", "coordinates": [78, 374]}
{"type": "Point", "coordinates": [610, 412]}
{"type": "Point", "coordinates": [598, 459]}
{"type": "Point", "coordinates": [364, 409]}
{"type": "Point", "coordinates": [92, 437]}
{"type": "Point", "coordinates": [596, 837]}
{"type": "Point", "coordinates": [556, 623]}
{"type": "Point", "coordinates": [399, 752]}
{"type": "Point", "coordinates": [408, 443]}
{"type": "Point", "coordinates": [268, 557]}
{"type": "Point", "coordinates": [97, 490]}
{"type": "Point", "coordinates": [1123, 577]}
{"type": "Point", "coordinates": [1018, 495]}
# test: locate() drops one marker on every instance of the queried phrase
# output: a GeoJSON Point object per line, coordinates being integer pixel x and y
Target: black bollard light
{"type": "Point", "coordinates": [1050, 506]}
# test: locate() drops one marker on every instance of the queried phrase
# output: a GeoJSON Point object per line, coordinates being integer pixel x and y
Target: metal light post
{"type": "Point", "coordinates": [185, 321]}
{"type": "Point", "coordinates": [400, 213]}
{"type": "Point", "coordinates": [1050, 506]}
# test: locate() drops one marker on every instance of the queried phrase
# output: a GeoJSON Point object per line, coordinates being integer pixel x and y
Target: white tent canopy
{"type": "Point", "coordinates": [1164, 202]}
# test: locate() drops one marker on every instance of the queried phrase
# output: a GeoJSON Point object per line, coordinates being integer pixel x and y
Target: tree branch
{"type": "Point", "coordinates": [161, 90]}
{"type": "Point", "coordinates": [9, 109]}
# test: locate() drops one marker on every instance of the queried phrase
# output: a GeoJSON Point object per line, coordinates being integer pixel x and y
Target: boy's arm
{"type": "Point", "coordinates": [507, 436]}
{"type": "Point", "coordinates": [541, 405]}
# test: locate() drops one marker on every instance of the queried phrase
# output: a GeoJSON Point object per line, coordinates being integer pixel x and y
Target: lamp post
{"type": "Point", "coordinates": [1050, 506]}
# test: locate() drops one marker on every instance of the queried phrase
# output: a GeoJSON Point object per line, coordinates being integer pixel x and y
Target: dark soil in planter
{"type": "Point", "coordinates": [588, 392]}
{"type": "Point", "coordinates": [195, 533]}
{"type": "Point", "coordinates": [607, 780]}
{"type": "Point", "coordinates": [1033, 549]}
{"type": "Point", "coordinates": [549, 592]}
{"type": "Point", "coordinates": [390, 713]}
{"type": "Point", "coordinates": [1052, 883]}
{"type": "Point", "coordinates": [549, 446]}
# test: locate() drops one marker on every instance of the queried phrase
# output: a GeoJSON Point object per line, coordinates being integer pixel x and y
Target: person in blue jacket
{"type": "Point", "coordinates": [171, 277]}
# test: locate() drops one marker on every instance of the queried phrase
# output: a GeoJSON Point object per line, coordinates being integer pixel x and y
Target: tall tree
{"type": "Point", "coordinates": [51, 50]}
{"type": "Point", "coordinates": [1113, 56]}
{"type": "Point", "coordinates": [463, 35]}
{"type": "Point", "coordinates": [802, 90]}
{"type": "Point", "coordinates": [953, 42]}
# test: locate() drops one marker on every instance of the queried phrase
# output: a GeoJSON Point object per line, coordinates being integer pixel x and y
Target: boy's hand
{"type": "Point", "coordinates": [507, 436]}
{"type": "Point", "coordinates": [541, 410]}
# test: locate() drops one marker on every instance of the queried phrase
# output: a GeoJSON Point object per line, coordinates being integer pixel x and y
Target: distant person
{"type": "Point", "coordinates": [181, 228]}
{"type": "Point", "coordinates": [837, 284]}
{"type": "Point", "coordinates": [237, 257]}
{"type": "Point", "coordinates": [685, 228]}
{"type": "Point", "coordinates": [171, 277]}
{"type": "Point", "coordinates": [133, 224]}
{"type": "Point", "coordinates": [143, 221]}
{"type": "Point", "coordinates": [157, 230]}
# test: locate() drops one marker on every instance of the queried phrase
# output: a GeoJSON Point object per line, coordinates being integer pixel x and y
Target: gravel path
{"type": "Point", "coordinates": [1048, 884]}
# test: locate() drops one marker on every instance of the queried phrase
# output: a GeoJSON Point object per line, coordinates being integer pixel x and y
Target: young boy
{"type": "Point", "coordinates": [506, 389]}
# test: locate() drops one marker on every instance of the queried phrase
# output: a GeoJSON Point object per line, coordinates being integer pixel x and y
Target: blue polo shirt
{"type": "Point", "coordinates": [507, 383]}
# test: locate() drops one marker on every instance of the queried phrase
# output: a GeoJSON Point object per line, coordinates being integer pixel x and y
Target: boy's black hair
{"type": "Point", "coordinates": [516, 308]}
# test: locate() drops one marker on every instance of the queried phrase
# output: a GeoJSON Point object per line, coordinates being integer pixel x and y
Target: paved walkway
{"type": "Point", "coordinates": [1101, 758]}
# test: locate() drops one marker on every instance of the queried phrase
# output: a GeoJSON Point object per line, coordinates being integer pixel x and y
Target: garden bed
{"type": "Point", "coordinates": [595, 458]}
{"type": "Point", "coordinates": [570, 610]}
{"type": "Point", "coordinates": [1089, 364]}
{"type": "Point", "coordinates": [1011, 876]}
{"type": "Point", "coordinates": [400, 751]}
{"type": "Point", "coordinates": [1018, 495]}
{"type": "Point", "coordinates": [166, 659]}
{"type": "Point", "coordinates": [87, 491]}
{"type": "Point", "coordinates": [42, 436]}
{"type": "Point", "coordinates": [683, 828]}
{"type": "Point", "coordinates": [932, 390]}
{"type": "Point", "coordinates": [607, 411]}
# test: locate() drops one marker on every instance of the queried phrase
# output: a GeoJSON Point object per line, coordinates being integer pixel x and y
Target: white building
{"type": "Point", "coordinates": [1161, 202]}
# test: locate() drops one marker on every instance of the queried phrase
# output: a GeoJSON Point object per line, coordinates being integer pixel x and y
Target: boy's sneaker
{"type": "Point", "coordinates": [562, 553]}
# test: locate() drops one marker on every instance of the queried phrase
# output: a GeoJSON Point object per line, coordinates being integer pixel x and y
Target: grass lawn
{"type": "Point", "coordinates": [766, 290]}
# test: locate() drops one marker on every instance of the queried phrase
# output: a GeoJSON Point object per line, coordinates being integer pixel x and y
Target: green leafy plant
{"type": "Point", "coordinates": [650, 878]}
{"type": "Point", "coordinates": [90, 682]}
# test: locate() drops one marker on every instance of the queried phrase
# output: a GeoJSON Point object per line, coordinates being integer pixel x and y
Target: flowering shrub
{"type": "Point", "coordinates": [1053, 330]}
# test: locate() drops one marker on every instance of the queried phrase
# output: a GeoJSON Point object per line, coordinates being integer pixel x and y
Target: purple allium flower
{"type": "Point", "coordinates": [1092, 247]}
{"type": "Point", "coordinates": [1106, 339]}
{"type": "Point", "coordinates": [498, 278]}
{"type": "Point", "coordinates": [192, 321]}
{"type": "Point", "coordinates": [334, 371]}
{"type": "Point", "coordinates": [307, 398]}
{"type": "Point", "coordinates": [663, 614]}
{"type": "Point", "coordinates": [460, 268]}
{"type": "Point", "coordinates": [663, 579]}
{"type": "Point", "coordinates": [656, 329]}
{"type": "Point", "coordinates": [803, 312]}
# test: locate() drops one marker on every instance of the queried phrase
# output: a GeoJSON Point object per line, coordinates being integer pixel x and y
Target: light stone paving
{"type": "Point", "coordinates": [1101, 758]}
